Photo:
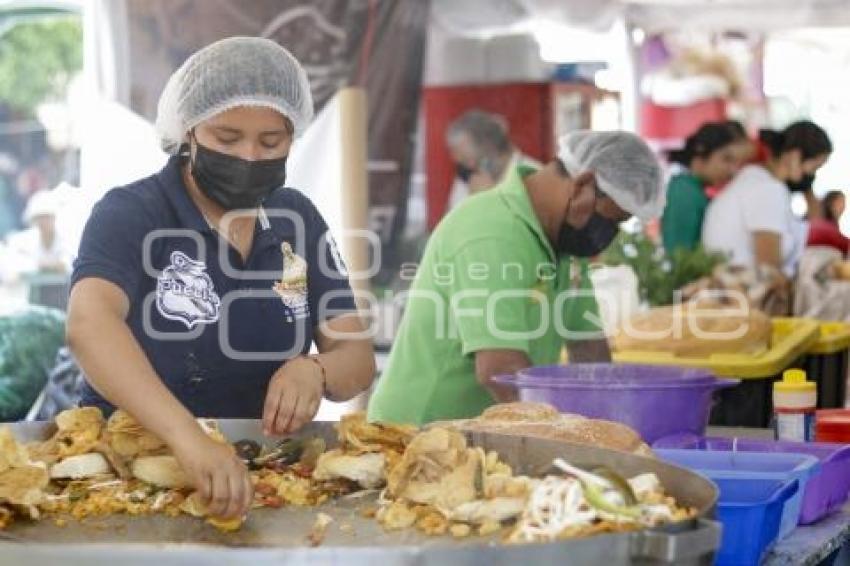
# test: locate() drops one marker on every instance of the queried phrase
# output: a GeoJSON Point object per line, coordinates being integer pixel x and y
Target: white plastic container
{"type": "Point", "coordinates": [616, 291]}
{"type": "Point", "coordinates": [794, 403]}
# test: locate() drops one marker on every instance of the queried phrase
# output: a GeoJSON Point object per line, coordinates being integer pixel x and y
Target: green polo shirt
{"type": "Point", "coordinates": [681, 224]}
{"type": "Point", "coordinates": [489, 280]}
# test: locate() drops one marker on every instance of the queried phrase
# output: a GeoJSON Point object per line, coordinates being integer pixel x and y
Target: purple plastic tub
{"type": "Point", "coordinates": [656, 401]}
{"type": "Point", "coordinates": [825, 492]}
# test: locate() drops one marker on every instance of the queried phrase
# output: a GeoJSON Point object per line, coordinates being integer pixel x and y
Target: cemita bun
{"type": "Point", "coordinates": [540, 420]}
{"type": "Point", "coordinates": [80, 467]}
{"type": "Point", "coordinates": [161, 471]}
{"type": "Point", "coordinates": [696, 330]}
{"type": "Point", "coordinates": [522, 411]}
{"type": "Point", "coordinates": [159, 468]}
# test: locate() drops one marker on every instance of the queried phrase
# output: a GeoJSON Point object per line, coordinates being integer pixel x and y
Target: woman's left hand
{"type": "Point", "coordinates": [293, 397]}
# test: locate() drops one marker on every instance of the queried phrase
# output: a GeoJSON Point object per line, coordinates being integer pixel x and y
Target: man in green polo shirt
{"type": "Point", "coordinates": [503, 283]}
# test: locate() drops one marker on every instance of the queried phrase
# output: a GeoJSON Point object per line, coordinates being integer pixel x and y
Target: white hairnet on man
{"type": "Point", "coordinates": [238, 71]}
{"type": "Point", "coordinates": [624, 166]}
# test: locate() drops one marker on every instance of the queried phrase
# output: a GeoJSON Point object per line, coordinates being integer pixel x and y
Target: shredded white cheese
{"type": "Point", "coordinates": [554, 505]}
{"type": "Point", "coordinates": [557, 503]}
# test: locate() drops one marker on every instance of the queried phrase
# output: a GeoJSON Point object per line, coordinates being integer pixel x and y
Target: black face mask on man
{"type": "Point", "coordinates": [803, 185]}
{"type": "Point", "coordinates": [463, 172]}
{"type": "Point", "coordinates": [233, 182]}
{"type": "Point", "coordinates": [589, 240]}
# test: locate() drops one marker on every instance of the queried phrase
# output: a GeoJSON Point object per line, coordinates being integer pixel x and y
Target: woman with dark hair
{"type": "Point", "coordinates": [746, 149]}
{"type": "Point", "coordinates": [822, 290]}
{"type": "Point", "coordinates": [708, 159]}
{"type": "Point", "coordinates": [199, 291]}
{"type": "Point", "coordinates": [751, 220]}
{"type": "Point", "coordinates": [817, 144]}
{"type": "Point", "coordinates": [824, 231]}
{"type": "Point", "coordinates": [832, 206]}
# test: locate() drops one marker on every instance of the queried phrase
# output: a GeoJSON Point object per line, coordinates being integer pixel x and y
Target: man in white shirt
{"type": "Point", "coordinates": [39, 248]}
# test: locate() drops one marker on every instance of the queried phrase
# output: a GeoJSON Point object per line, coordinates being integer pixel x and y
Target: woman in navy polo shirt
{"type": "Point", "coordinates": [199, 291]}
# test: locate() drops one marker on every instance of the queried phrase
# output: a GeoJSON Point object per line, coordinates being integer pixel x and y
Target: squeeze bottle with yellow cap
{"type": "Point", "coordinates": [794, 403]}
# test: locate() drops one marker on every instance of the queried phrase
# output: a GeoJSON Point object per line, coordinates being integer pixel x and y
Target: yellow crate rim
{"type": "Point", "coordinates": [834, 337]}
{"type": "Point", "coordinates": [792, 337]}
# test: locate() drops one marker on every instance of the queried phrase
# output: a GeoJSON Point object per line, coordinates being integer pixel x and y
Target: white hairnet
{"type": "Point", "coordinates": [41, 203]}
{"type": "Point", "coordinates": [625, 168]}
{"type": "Point", "coordinates": [238, 71]}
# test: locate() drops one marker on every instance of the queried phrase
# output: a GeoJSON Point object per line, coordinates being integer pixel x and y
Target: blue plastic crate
{"type": "Point", "coordinates": [750, 510]}
{"type": "Point", "coordinates": [826, 491]}
{"type": "Point", "coordinates": [752, 465]}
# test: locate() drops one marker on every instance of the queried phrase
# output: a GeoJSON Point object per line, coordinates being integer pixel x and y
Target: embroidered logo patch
{"type": "Point", "coordinates": [292, 287]}
{"type": "Point", "coordinates": [340, 264]}
{"type": "Point", "coordinates": [184, 292]}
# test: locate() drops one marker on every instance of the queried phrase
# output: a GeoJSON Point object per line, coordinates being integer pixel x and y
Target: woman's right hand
{"type": "Point", "coordinates": [99, 335]}
{"type": "Point", "coordinates": [216, 472]}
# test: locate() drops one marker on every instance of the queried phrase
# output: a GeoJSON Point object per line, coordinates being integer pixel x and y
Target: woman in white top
{"type": "Point", "coordinates": [751, 219]}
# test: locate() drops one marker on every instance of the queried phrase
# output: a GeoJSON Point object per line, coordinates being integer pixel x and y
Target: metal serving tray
{"type": "Point", "coordinates": [277, 536]}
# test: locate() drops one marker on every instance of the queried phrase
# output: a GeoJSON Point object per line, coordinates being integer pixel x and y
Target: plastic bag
{"type": "Point", "coordinates": [29, 341]}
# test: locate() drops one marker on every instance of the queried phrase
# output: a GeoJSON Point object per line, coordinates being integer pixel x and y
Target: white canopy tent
{"type": "Point", "coordinates": [490, 17]}
{"type": "Point", "coordinates": [118, 146]}
{"type": "Point", "coordinates": [599, 30]}
{"type": "Point", "coordinates": [744, 15]}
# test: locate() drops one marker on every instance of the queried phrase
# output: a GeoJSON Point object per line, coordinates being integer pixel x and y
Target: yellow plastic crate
{"type": "Point", "coordinates": [792, 337]}
{"type": "Point", "coordinates": [834, 337]}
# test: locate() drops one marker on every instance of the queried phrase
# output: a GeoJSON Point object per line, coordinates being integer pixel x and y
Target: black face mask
{"type": "Point", "coordinates": [589, 240]}
{"type": "Point", "coordinates": [233, 182]}
{"type": "Point", "coordinates": [803, 185]}
{"type": "Point", "coordinates": [463, 172]}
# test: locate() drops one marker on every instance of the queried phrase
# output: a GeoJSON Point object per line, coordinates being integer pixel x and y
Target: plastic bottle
{"type": "Point", "coordinates": [794, 403]}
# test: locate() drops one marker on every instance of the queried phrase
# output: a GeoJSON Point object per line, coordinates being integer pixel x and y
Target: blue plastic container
{"type": "Point", "coordinates": [826, 491]}
{"type": "Point", "coordinates": [743, 465]}
{"type": "Point", "coordinates": [750, 510]}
